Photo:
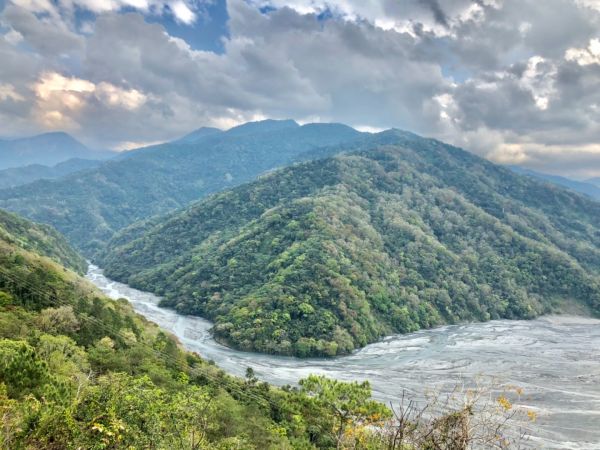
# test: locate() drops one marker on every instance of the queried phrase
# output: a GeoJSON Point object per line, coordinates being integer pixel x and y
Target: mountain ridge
{"type": "Point", "coordinates": [582, 187]}
{"type": "Point", "coordinates": [88, 208]}
{"type": "Point", "coordinates": [395, 235]}
{"type": "Point", "coordinates": [45, 149]}
{"type": "Point", "coordinates": [28, 174]}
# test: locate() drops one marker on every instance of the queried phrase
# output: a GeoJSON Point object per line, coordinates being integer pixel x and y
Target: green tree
{"type": "Point", "coordinates": [350, 403]}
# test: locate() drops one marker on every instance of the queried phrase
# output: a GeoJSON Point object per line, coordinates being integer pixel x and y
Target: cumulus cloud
{"type": "Point", "coordinates": [585, 56]}
{"type": "Point", "coordinates": [61, 99]}
{"type": "Point", "coordinates": [516, 81]}
{"type": "Point", "coordinates": [185, 11]}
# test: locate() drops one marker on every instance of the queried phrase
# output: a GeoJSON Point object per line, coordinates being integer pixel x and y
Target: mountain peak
{"type": "Point", "coordinates": [263, 126]}
{"type": "Point", "coordinates": [198, 134]}
{"type": "Point", "coordinates": [47, 149]}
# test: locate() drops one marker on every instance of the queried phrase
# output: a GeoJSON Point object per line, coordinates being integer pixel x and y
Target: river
{"type": "Point", "coordinates": [555, 360]}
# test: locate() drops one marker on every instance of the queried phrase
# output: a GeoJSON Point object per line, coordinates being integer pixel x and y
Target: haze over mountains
{"type": "Point", "coordinates": [89, 207]}
{"type": "Point", "coordinates": [584, 187]}
{"type": "Point", "coordinates": [18, 176]}
{"type": "Point", "coordinates": [333, 252]}
{"type": "Point", "coordinates": [46, 149]}
{"type": "Point", "coordinates": [594, 181]}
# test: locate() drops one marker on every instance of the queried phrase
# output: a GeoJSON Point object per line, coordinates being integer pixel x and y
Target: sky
{"type": "Point", "coordinates": [515, 81]}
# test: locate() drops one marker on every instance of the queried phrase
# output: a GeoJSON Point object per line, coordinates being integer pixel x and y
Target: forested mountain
{"type": "Point", "coordinates": [78, 370]}
{"type": "Point", "coordinates": [33, 172]}
{"type": "Point", "coordinates": [405, 233]}
{"type": "Point", "coordinates": [46, 149]}
{"type": "Point", "coordinates": [16, 232]}
{"type": "Point", "coordinates": [587, 188]}
{"type": "Point", "coordinates": [89, 207]}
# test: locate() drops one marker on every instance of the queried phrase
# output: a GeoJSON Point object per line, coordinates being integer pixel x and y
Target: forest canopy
{"type": "Point", "coordinates": [400, 234]}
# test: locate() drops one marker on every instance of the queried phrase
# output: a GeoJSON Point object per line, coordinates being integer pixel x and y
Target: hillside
{"type": "Point", "coordinates": [89, 207]}
{"type": "Point", "coordinates": [46, 149]}
{"type": "Point", "coordinates": [78, 370]}
{"type": "Point", "coordinates": [587, 188]}
{"type": "Point", "coordinates": [33, 172]}
{"type": "Point", "coordinates": [40, 239]}
{"type": "Point", "coordinates": [406, 233]}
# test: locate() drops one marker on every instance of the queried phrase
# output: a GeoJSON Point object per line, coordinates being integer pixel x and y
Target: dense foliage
{"type": "Point", "coordinates": [326, 256]}
{"type": "Point", "coordinates": [89, 207]}
{"type": "Point", "coordinates": [39, 239]}
{"type": "Point", "coordinates": [78, 370]}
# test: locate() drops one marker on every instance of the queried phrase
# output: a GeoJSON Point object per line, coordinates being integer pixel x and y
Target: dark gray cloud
{"type": "Point", "coordinates": [436, 10]}
{"type": "Point", "coordinates": [514, 80]}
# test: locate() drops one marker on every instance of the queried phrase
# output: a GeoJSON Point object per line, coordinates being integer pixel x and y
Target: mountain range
{"type": "Point", "coordinates": [396, 234]}
{"type": "Point", "coordinates": [89, 207]}
{"type": "Point", "coordinates": [584, 187]}
{"type": "Point", "coordinates": [318, 239]}
{"type": "Point", "coordinates": [27, 174]}
{"type": "Point", "coordinates": [46, 149]}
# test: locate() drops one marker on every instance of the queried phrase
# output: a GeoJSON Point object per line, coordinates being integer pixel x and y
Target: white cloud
{"type": "Point", "coordinates": [8, 92]}
{"type": "Point", "coordinates": [13, 37]}
{"type": "Point", "coordinates": [507, 79]}
{"type": "Point", "coordinates": [60, 99]}
{"type": "Point", "coordinates": [182, 12]}
{"type": "Point", "coordinates": [113, 95]}
{"type": "Point", "coordinates": [538, 79]}
{"type": "Point", "coordinates": [585, 56]}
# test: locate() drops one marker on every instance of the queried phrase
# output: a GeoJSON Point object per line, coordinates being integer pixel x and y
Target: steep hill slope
{"type": "Point", "coordinates": [326, 256]}
{"type": "Point", "coordinates": [79, 370]}
{"type": "Point", "coordinates": [40, 239]}
{"type": "Point", "coordinates": [46, 149]}
{"type": "Point", "coordinates": [89, 207]}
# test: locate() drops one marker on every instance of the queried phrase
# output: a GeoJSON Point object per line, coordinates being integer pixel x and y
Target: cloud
{"type": "Point", "coordinates": [516, 81]}
{"type": "Point", "coordinates": [61, 99]}
{"type": "Point", "coordinates": [8, 92]}
{"type": "Point", "coordinates": [184, 11]}
{"type": "Point", "coordinates": [585, 56]}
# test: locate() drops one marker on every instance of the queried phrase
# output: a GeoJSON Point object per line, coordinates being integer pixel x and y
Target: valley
{"type": "Point", "coordinates": [299, 225]}
{"type": "Point", "coordinates": [537, 356]}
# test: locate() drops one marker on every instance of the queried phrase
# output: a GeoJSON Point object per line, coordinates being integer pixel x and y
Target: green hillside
{"type": "Point", "coordinates": [81, 371]}
{"type": "Point", "coordinates": [406, 233]}
{"type": "Point", "coordinates": [41, 239]}
{"type": "Point", "coordinates": [89, 207]}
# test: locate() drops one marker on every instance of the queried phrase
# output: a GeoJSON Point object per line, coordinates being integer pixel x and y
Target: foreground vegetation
{"type": "Point", "coordinates": [324, 257]}
{"type": "Point", "coordinates": [78, 370]}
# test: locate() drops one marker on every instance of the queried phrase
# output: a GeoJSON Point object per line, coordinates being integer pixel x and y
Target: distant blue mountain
{"type": "Point", "coordinates": [197, 134]}
{"type": "Point", "coordinates": [595, 181]}
{"type": "Point", "coordinates": [583, 187]}
{"type": "Point", "coordinates": [263, 126]}
{"type": "Point", "coordinates": [47, 149]}
{"type": "Point", "coordinates": [88, 207]}
{"type": "Point", "coordinates": [18, 176]}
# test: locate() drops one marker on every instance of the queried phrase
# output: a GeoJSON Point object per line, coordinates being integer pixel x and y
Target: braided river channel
{"type": "Point", "coordinates": [555, 360]}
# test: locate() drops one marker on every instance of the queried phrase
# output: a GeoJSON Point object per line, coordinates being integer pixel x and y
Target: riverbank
{"type": "Point", "coordinates": [555, 360]}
